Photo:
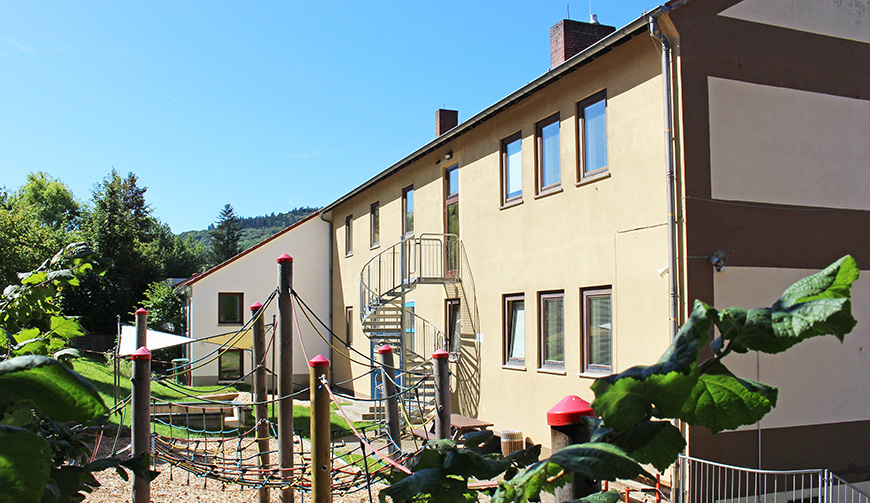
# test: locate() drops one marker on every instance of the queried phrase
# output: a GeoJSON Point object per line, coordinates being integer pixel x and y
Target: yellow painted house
{"type": "Point", "coordinates": [711, 149]}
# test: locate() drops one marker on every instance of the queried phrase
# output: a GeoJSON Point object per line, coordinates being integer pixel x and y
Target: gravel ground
{"type": "Point", "coordinates": [114, 489]}
{"type": "Point", "coordinates": [177, 486]}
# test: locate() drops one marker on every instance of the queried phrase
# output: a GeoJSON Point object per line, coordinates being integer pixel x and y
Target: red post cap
{"type": "Point", "coordinates": [569, 410]}
{"type": "Point", "coordinates": [385, 349]}
{"type": "Point", "coordinates": [440, 354]}
{"type": "Point", "coordinates": [285, 258]}
{"type": "Point", "coordinates": [318, 361]}
{"type": "Point", "coordinates": [141, 310]}
{"type": "Point", "coordinates": [255, 306]}
{"type": "Point", "coordinates": [142, 353]}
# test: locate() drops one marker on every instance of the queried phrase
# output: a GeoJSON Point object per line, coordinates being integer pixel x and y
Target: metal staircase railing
{"type": "Point", "coordinates": [429, 258]}
{"type": "Point", "coordinates": [384, 281]}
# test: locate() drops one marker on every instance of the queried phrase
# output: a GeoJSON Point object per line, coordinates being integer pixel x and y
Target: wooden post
{"type": "Point", "coordinates": [442, 394]}
{"type": "Point", "coordinates": [321, 469]}
{"type": "Point", "coordinates": [285, 373]}
{"type": "Point", "coordinates": [567, 428]}
{"type": "Point", "coordinates": [394, 427]}
{"type": "Point", "coordinates": [141, 405]}
{"type": "Point", "coordinates": [260, 410]}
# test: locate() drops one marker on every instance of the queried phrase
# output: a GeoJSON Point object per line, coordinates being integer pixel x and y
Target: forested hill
{"type": "Point", "coordinates": [255, 229]}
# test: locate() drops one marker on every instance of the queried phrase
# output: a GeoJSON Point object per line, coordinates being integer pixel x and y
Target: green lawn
{"type": "Point", "coordinates": [102, 375]}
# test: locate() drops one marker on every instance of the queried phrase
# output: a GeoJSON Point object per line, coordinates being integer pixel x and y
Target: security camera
{"type": "Point", "coordinates": [719, 260]}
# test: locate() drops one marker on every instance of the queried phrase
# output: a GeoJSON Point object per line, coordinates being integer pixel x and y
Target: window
{"type": "Point", "coordinates": [408, 211]}
{"type": "Point", "coordinates": [451, 218]}
{"type": "Point", "coordinates": [230, 308]}
{"type": "Point", "coordinates": [375, 224]}
{"type": "Point", "coordinates": [552, 329]}
{"type": "Point", "coordinates": [592, 129]}
{"type": "Point", "coordinates": [549, 170]}
{"type": "Point", "coordinates": [597, 331]}
{"type": "Point", "coordinates": [512, 168]}
{"type": "Point", "coordinates": [514, 330]}
{"type": "Point", "coordinates": [348, 325]}
{"type": "Point", "coordinates": [348, 235]}
{"type": "Point", "coordinates": [230, 365]}
{"type": "Point", "coordinates": [453, 324]}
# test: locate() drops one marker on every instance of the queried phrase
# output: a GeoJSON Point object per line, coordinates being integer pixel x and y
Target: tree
{"type": "Point", "coordinates": [50, 200]}
{"type": "Point", "coordinates": [120, 226]}
{"type": "Point", "coordinates": [226, 235]}
{"type": "Point", "coordinates": [636, 405]}
{"type": "Point", "coordinates": [179, 257]}
{"type": "Point", "coordinates": [24, 242]}
{"type": "Point", "coordinates": [35, 221]}
{"type": "Point", "coordinates": [165, 306]}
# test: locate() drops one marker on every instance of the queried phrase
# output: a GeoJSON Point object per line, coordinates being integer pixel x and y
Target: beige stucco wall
{"type": "Point", "coordinates": [820, 380]}
{"type": "Point", "coordinates": [793, 147]}
{"type": "Point", "coordinates": [609, 232]}
{"type": "Point", "coordinates": [256, 275]}
{"type": "Point", "coordinates": [834, 18]}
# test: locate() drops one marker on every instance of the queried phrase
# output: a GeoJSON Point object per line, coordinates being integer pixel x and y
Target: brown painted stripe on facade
{"type": "Point", "coordinates": [792, 236]}
{"type": "Point", "coordinates": [713, 45]}
{"type": "Point", "coordinates": [843, 448]}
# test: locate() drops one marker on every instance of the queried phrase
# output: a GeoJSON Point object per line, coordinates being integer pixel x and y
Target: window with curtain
{"type": "Point", "coordinates": [552, 329]}
{"type": "Point", "coordinates": [597, 330]}
{"type": "Point", "coordinates": [512, 168]}
{"type": "Point", "coordinates": [549, 168]}
{"type": "Point", "coordinates": [592, 127]}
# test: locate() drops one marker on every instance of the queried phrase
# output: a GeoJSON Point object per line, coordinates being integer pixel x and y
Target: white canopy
{"type": "Point", "coordinates": [155, 340]}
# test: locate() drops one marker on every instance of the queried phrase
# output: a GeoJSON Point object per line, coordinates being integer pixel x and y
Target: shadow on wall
{"type": "Point", "coordinates": [467, 371]}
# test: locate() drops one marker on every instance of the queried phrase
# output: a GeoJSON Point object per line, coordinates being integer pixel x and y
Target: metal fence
{"type": "Point", "coordinates": [708, 482]}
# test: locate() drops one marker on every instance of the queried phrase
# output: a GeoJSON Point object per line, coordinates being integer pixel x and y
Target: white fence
{"type": "Point", "coordinates": [708, 482]}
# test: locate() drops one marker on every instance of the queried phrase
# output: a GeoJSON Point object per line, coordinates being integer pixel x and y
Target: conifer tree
{"type": "Point", "coordinates": [226, 235]}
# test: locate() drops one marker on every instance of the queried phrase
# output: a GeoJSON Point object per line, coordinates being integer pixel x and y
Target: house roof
{"type": "Point", "coordinates": [197, 277]}
{"type": "Point", "coordinates": [580, 59]}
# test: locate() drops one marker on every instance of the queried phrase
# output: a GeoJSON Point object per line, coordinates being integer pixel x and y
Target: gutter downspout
{"type": "Point", "coordinates": [671, 177]}
{"type": "Point", "coordinates": [672, 203]}
{"type": "Point", "coordinates": [329, 294]}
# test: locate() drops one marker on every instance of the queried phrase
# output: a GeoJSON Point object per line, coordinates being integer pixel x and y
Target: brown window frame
{"type": "Point", "coordinates": [585, 295]}
{"type": "Point", "coordinates": [221, 356]}
{"type": "Point", "coordinates": [508, 335]}
{"type": "Point", "coordinates": [348, 235]}
{"type": "Point", "coordinates": [407, 232]}
{"type": "Point", "coordinates": [348, 325]}
{"type": "Point", "coordinates": [543, 361]}
{"type": "Point", "coordinates": [506, 198]}
{"type": "Point", "coordinates": [453, 341]}
{"type": "Point", "coordinates": [375, 224]}
{"type": "Point", "coordinates": [241, 318]}
{"type": "Point", "coordinates": [582, 175]}
{"type": "Point", "coordinates": [539, 154]}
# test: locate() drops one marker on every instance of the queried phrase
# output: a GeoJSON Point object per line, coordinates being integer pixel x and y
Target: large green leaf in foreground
{"type": "Point", "coordinates": [25, 461]}
{"type": "Point", "coordinates": [52, 388]}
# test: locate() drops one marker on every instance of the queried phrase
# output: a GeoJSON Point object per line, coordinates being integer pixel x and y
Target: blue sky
{"type": "Point", "coordinates": [264, 105]}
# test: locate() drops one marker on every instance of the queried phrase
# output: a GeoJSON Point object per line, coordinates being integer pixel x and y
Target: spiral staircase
{"type": "Point", "coordinates": [385, 281]}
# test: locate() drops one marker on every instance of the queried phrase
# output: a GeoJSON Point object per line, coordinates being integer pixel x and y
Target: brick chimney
{"type": "Point", "coordinates": [445, 120]}
{"type": "Point", "coordinates": [568, 37]}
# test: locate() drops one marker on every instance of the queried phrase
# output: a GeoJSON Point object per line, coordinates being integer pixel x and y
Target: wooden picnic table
{"type": "Point", "coordinates": [459, 425]}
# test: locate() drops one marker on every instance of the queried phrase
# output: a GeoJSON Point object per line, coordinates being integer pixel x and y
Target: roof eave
{"type": "Point", "coordinates": [552, 75]}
